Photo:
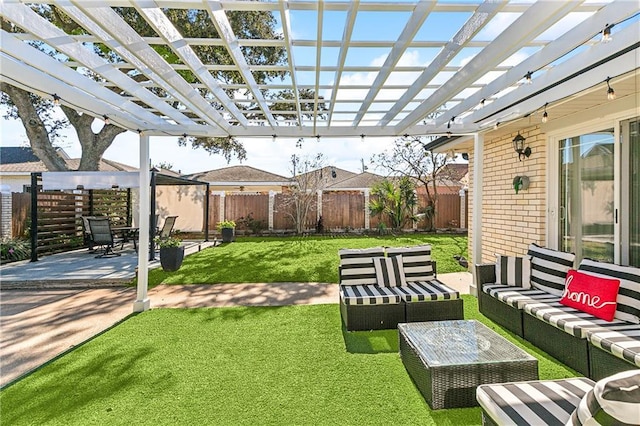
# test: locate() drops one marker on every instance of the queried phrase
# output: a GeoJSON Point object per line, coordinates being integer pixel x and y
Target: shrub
{"type": "Point", "coordinates": [12, 250]}
{"type": "Point", "coordinates": [248, 222]}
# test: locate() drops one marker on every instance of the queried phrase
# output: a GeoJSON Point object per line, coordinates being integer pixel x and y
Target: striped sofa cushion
{"type": "Point", "coordinates": [416, 262]}
{"type": "Point", "coordinates": [628, 308]}
{"type": "Point", "coordinates": [614, 400]}
{"type": "Point", "coordinates": [544, 402]}
{"type": "Point", "coordinates": [518, 297]}
{"type": "Point", "coordinates": [421, 291]}
{"type": "Point", "coordinates": [368, 295]}
{"type": "Point", "coordinates": [568, 319]}
{"type": "Point", "coordinates": [623, 342]}
{"type": "Point", "coordinates": [389, 271]}
{"type": "Point", "coordinates": [356, 265]}
{"type": "Point", "coordinates": [549, 268]}
{"type": "Point", "coordinates": [513, 271]}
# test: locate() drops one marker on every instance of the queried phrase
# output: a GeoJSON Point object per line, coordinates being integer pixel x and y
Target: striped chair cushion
{"type": "Point", "coordinates": [614, 400]}
{"type": "Point", "coordinates": [389, 271]}
{"type": "Point", "coordinates": [518, 297]}
{"type": "Point", "coordinates": [623, 342]}
{"type": "Point", "coordinates": [416, 262]}
{"type": "Point", "coordinates": [421, 291]}
{"type": "Point", "coordinates": [513, 271]}
{"type": "Point", "coordinates": [549, 268]}
{"type": "Point", "coordinates": [368, 295]}
{"type": "Point", "coordinates": [571, 320]}
{"type": "Point", "coordinates": [544, 402]}
{"type": "Point", "coordinates": [628, 308]}
{"type": "Point", "coordinates": [356, 266]}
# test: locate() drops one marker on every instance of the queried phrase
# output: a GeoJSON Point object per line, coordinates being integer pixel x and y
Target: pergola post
{"type": "Point", "coordinates": [153, 225]}
{"type": "Point", "coordinates": [206, 214]}
{"type": "Point", "coordinates": [476, 219]}
{"type": "Point", "coordinates": [142, 302]}
{"type": "Point", "coordinates": [34, 216]}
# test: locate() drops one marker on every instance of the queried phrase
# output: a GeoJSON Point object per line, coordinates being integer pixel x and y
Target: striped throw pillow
{"type": "Point", "coordinates": [416, 262]}
{"type": "Point", "coordinates": [549, 268]}
{"type": "Point", "coordinates": [628, 300]}
{"type": "Point", "coordinates": [614, 400]}
{"type": "Point", "coordinates": [389, 271]}
{"type": "Point", "coordinates": [513, 271]}
{"type": "Point", "coordinates": [356, 265]}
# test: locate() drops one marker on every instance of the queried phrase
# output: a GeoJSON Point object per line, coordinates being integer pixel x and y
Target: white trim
{"type": "Point", "coordinates": [247, 183]}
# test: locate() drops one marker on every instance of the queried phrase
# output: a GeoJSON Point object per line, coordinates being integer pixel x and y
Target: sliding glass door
{"type": "Point", "coordinates": [592, 183]}
{"type": "Point", "coordinates": [586, 211]}
{"type": "Point", "coordinates": [630, 134]}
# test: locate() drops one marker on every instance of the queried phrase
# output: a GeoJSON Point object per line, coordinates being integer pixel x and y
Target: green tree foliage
{"type": "Point", "coordinates": [394, 200]}
{"type": "Point", "coordinates": [409, 157]}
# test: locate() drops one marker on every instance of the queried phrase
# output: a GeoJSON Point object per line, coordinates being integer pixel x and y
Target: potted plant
{"type": "Point", "coordinates": [227, 228]}
{"type": "Point", "coordinates": [171, 253]}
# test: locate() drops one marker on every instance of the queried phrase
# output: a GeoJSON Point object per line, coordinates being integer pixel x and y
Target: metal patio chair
{"type": "Point", "coordinates": [102, 235]}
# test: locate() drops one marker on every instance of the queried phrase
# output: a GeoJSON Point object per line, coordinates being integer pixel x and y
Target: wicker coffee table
{"type": "Point", "coordinates": [447, 360]}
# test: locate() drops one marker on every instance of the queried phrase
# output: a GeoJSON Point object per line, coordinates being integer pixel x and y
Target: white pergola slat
{"type": "Point", "coordinates": [349, 69]}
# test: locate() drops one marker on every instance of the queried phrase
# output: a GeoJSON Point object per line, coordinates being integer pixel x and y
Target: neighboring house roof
{"type": "Point", "coordinates": [362, 180]}
{"type": "Point", "coordinates": [455, 171]}
{"type": "Point", "coordinates": [326, 174]}
{"type": "Point", "coordinates": [235, 174]}
{"type": "Point", "coordinates": [23, 160]}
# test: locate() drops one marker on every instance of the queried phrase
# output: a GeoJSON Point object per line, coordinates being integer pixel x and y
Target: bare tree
{"type": "Point", "coordinates": [301, 198]}
{"type": "Point", "coordinates": [409, 157]}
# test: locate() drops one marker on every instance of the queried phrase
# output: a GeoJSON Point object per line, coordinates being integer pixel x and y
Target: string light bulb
{"type": "Point", "coordinates": [611, 94]}
{"type": "Point", "coordinates": [545, 116]}
{"type": "Point", "coordinates": [139, 132]}
{"type": "Point", "coordinates": [56, 99]}
{"type": "Point", "coordinates": [362, 137]}
{"type": "Point", "coordinates": [482, 102]}
{"type": "Point", "coordinates": [448, 135]}
{"type": "Point", "coordinates": [273, 137]}
{"type": "Point", "coordinates": [527, 78]}
{"type": "Point", "coordinates": [606, 34]}
{"type": "Point", "coordinates": [105, 119]}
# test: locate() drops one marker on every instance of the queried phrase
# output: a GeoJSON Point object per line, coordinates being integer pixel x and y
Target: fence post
{"type": "Point", "coordinates": [367, 212]}
{"type": "Point", "coordinates": [319, 205]}
{"type": "Point", "coordinates": [7, 211]}
{"type": "Point", "coordinates": [414, 224]}
{"type": "Point", "coordinates": [221, 208]}
{"type": "Point", "coordinates": [272, 203]}
{"type": "Point", "coordinates": [463, 211]}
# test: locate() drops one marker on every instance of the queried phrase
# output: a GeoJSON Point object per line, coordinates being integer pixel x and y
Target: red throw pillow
{"type": "Point", "coordinates": [593, 295]}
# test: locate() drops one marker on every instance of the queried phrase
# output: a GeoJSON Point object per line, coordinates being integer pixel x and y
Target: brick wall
{"type": "Point", "coordinates": [510, 221]}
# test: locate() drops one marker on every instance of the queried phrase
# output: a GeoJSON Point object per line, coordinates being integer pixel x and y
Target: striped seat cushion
{"type": "Point", "coordinates": [549, 268]}
{"type": "Point", "coordinates": [518, 297]}
{"type": "Point", "coordinates": [623, 342]}
{"type": "Point", "coordinates": [421, 291]}
{"type": "Point", "coordinates": [389, 271]}
{"type": "Point", "coordinates": [614, 400]}
{"type": "Point", "coordinates": [368, 295]}
{"type": "Point", "coordinates": [544, 402]}
{"type": "Point", "coordinates": [416, 262]}
{"type": "Point", "coordinates": [356, 265]}
{"type": "Point", "coordinates": [513, 270]}
{"type": "Point", "coordinates": [570, 320]}
{"type": "Point", "coordinates": [628, 308]}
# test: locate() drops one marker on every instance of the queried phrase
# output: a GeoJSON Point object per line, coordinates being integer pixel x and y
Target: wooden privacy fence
{"type": "Point", "coordinates": [340, 210]}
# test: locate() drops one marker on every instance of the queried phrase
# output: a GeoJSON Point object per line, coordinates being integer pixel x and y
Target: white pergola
{"type": "Point", "coordinates": [393, 68]}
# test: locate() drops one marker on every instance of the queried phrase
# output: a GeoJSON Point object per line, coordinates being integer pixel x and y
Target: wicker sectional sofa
{"type": "Point", "coordinates": [368, 302]}
{"type": "Point", "coordinates": [594, 347]}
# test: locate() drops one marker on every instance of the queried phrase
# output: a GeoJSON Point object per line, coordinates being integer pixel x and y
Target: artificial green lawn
{"type": "Point", "coordinates": [296, 259]}
{"type": "Point", "coordinates": [233, 366]}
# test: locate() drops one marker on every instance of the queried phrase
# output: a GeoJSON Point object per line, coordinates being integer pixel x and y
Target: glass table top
{"type": "Point", "coordinates": [460, 342]}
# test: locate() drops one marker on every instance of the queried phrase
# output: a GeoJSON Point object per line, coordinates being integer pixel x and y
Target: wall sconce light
{"type": "Point", "coordinates": [333, 173]}
{"type": "Point", "coordinates": [519, 147]}
{"type": "Point", "coordinates": [611, 94]}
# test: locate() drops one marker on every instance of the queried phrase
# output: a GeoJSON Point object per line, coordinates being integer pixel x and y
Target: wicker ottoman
{"type": "Point", "coordinates": [447, 360]}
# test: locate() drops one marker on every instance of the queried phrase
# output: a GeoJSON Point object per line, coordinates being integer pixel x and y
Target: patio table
{"type": "Point", "coordinates": [447, 360]}
{"type": "Point", "coordinates": [128, 233]}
